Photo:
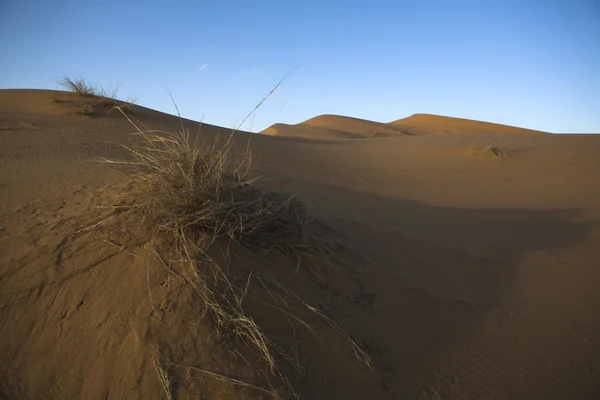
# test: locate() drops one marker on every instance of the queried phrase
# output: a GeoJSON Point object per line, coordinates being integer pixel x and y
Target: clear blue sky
{"type": "Point", "coordinates": [534, 64]}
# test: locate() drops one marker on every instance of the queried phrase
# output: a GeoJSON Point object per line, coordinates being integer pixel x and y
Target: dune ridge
{"type": "Point", "coordinates": [341, 127]}
{"type": "Point", "coordinates": [442, 124]}
{"type": "Point", "coordinates": [334, 127]}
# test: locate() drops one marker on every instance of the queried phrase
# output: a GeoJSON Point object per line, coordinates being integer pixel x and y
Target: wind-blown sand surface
{"type": "Point", "coordinates": [481, 273]}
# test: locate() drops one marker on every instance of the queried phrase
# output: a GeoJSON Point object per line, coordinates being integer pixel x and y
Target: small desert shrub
{"type": "Point", "coordinates": [489, 146]}
{"type": "Point", "coordinates": [86, 109]}
{"type": "Point", "coordinates": [79, 86]}
{"type": "Point", "coordinates": [184, 197]}
{"type": "Point", "coordinates": [105, 97]}
{"type": "Point", "coordinates": [186, 190]}
{"type": "Point", "coordinates": [83, 88]}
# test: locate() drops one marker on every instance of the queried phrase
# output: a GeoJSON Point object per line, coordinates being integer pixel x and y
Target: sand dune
{"type": "Point", "coordinates": [334, 127]}
{"type": "Point", "coordinates": [439, 124]}
{"type": "Point", "coordinates": [472, 277]}
{"type": "Point", "coordinates": [340, 127]}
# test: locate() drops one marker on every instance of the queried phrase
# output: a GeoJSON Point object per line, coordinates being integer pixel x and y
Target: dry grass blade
{"type": "Point", "coordinates": [163, 375]}
{"type": "Point", "coordinates": [237, 382]}
{"type": "Point", "coordinates": [358, 352]}
{"type": "Point", "coordinates": [124, 107]}
{"type": "Point", "coordinates": [260, 103]}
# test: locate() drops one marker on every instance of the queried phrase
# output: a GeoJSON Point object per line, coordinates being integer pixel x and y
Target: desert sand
{"type": "Point", "coordinates": [473, 276]}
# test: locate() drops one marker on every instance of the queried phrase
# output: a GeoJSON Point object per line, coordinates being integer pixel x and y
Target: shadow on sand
{"type": "Point", "coordinates": [436, 272]}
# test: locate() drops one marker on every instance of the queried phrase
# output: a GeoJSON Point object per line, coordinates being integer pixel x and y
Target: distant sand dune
{"type": "Point", "coordinates": [340, 127]}
{"type": "Point", "coordinates": [441, 124]}
{"type": "Point", "coordinates": [334, 127]}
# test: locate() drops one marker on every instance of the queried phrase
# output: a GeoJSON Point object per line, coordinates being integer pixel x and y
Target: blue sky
{"type": "Point", "coordinates": [534, 64]}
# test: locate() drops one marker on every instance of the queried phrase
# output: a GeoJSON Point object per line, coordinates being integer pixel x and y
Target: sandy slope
{"type": "Point", "coordinates": [481, 282]}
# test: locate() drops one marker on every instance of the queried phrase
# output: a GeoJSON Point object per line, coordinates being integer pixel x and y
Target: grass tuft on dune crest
{"type": "Point", "coordinates": [84, 88]}
{"type": "Point", "coordinates": [106, 97]}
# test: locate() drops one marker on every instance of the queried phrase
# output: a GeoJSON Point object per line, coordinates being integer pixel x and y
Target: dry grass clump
{"type": "Point", "coordinates": [184, 197]}
{"type": "Point", "coordinates": [83, 88]}
{"type": "Point", "coordinates": [86, 109]}
{"type": "Point", "coordinates": [191, 202]}
{"type": "Point", "coordinates": [185, 190]}
{"type": "Point", "coordinates": [490, 146]}
{"type": "Point", "coordinates": [79, 86]}
{"type": "Point", "coordinates": [107, 96]}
